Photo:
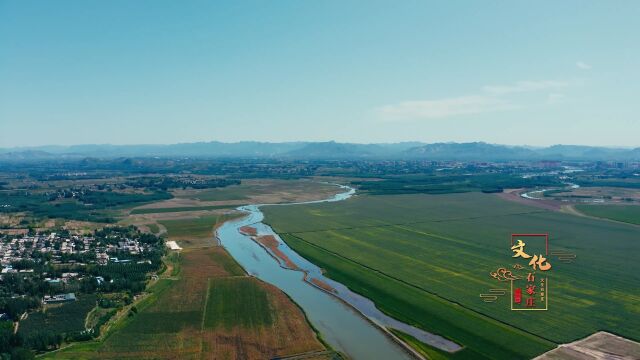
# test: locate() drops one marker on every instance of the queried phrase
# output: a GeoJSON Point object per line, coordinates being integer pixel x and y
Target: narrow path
{"type": "Point", "coordinates": [206, 302]}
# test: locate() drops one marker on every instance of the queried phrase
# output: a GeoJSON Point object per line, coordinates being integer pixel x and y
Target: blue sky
{"type": "Point", "coordinates": [124, 72]}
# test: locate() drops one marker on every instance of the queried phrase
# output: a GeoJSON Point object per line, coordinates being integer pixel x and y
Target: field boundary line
{"type": "Point", "coordinates": [206, 302]}
{"type": "Point", "coordinates": [204, 316]}
{"type": "Point", "coordinates": [572, 210]}
{"type": "Point", "coordinates": [408, 223]}
{"type": "Point", "coordinates": [423, 290]}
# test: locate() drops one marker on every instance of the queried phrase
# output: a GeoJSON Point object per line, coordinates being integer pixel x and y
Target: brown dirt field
{"type": "Point", "coordinates": [11, 220]}
{"type": "Point", "coordinates": [295, 194]}
{"type": "Point", "coordinates": [14, 231]}
{"type": "Point", "coordinates": [153, 217]}
{"type": "Point", "coordinates": [199, 263]}
{"type": "Point", "coordinates": [185, 202]}
{"type": "Point", "coordinates": [271, 243]}
{"type": "Point", "coordinates": [514, 195]}
{"type": "Point", "coordinates": [82, 226]}
{"type": "Point", "coordinates": [260, 191]}
{"type": "Point", "coordinates": [289, 334]}
{"type": "Point", "coordinates": [189, 293]}
{"type": "Point", "coordinates": [599, 346]}
{"type": "Point", "coordinates": [147, 337]}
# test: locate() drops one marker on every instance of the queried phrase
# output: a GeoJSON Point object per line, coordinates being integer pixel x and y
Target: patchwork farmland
{"type": "Point", "coordinates": [188, 315]}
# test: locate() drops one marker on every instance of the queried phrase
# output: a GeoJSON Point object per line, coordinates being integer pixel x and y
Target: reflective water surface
{"type": "Point", "coordinates": [340, 325]}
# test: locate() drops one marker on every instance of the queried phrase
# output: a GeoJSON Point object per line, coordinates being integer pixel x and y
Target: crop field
{"type": "Point", "coordinates": [179, 318]}
{"type": "Point", "coordinates": [420, 257]}
{"type": "Point", "coordinates": [178, 209]}
{"type": "Point", "coordinates": [248, 319]}
{"type": "Point", "coordinates": [228, 264]}
{"type": "Point", "coordinates": [234, 192]}
{"type": "Point", "coordinates": [194, 231]}
{"type": "Point", "coordinates": [629, 213]}
{"type": "Point", "coordinates": [262, 191]}
{"type": "Point", "coordinates": [198, 227]}
{"type": "Point", "coordinates": [154, 228]}
{"type": "Point", "coordinates": [60, 318]}
{"type": "Point", "coordinates": [227, 300]}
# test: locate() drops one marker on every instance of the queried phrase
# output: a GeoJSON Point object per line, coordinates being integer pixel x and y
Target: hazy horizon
{"type": "Point", "coordinates": [313, 141]}
{"type": "Point", "coordinates": [310, 141]}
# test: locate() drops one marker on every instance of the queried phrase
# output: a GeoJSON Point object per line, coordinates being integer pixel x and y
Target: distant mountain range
{"type": "Point", "coordinates": [478, 151]}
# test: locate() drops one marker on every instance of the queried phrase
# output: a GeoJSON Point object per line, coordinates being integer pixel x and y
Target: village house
{"type": "Point", "coordinates": [59, 298]}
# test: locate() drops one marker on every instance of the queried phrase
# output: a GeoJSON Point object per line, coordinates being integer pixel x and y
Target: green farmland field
{"type": "Point", "coordinates": [190, 228]}
{"type": "Point", "coordinates": [629, 213]}
{"type": "Point", "coordinates": [194, 231]}
{"type": "Point", "coordinates": [167, 322]}
{"type": "Point", "coordinates": [237, 301]}
{"type": "Point", "coordinates": [426, 258]}
{"type": "Point", "coordinates": [154, 228]}
{"type": "Point", "coordinates": [210, 309]}
{"type": "Point", "coordinates": [63, 318]}
{"type": "Point", "coordinates": [228, 263]}
{"type": "Point", "coordinates": [233, 192]}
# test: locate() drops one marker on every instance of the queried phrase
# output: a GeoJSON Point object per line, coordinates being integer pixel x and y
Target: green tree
{"type": "Point", "coordinates": [6, 336]}
{"type": "Point", "coordinates": [21, 353]}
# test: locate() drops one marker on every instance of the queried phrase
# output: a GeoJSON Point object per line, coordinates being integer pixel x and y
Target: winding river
{"type": "Point", "coordinates": [530, 194]}
{"type": "Point", "coordinates": [349, 322]}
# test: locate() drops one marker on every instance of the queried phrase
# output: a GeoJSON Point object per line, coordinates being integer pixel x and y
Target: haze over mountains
{"type": "Point", "coordinates": [478, 151]}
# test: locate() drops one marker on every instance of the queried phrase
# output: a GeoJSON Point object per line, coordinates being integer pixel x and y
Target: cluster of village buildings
{"type": "Point", "coordinates": [16, 249]}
